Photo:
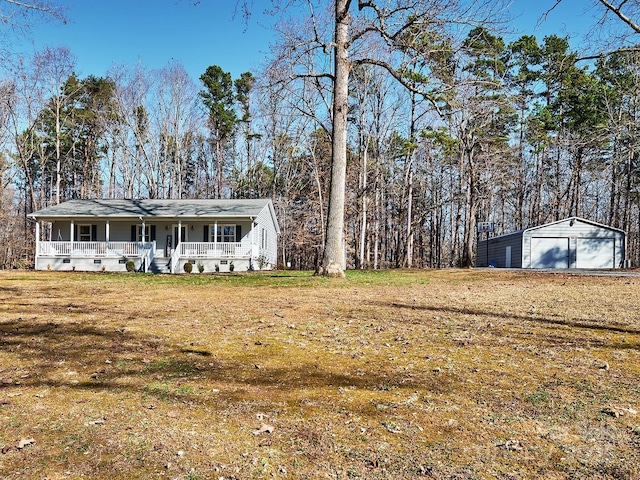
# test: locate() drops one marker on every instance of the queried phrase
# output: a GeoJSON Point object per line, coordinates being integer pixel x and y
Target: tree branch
{"type": "Point", "coordinates": [618, 12]}
{"type": "Point", "coordinates": [403, 81]}
{"type": "Point", "coordinates": [40, 6]}
{"type": "Point", "coordinates": [546, 14]}
{"type": "Point", "coordinates": [608, 54]}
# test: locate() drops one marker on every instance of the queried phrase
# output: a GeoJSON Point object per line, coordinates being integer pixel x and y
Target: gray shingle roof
{"type": "Point", "coordinates": [153, 208]}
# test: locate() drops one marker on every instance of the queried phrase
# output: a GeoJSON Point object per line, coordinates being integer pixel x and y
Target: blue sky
{"type": "Point", "coordinates": [102, 32]}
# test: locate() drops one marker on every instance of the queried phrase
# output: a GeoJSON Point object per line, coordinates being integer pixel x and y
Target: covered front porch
{"type": "Point", "coordinates": [113, 256]}
{"type": "Point", "coordinates": [89, 256]}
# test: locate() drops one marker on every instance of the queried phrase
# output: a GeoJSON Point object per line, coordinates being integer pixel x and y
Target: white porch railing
{"type": "Point", "coordinates": [149, 254]}
{"type": "Point", "coordinates": [215, 250]}
{"type": "Point", "coordinates": [97, 249]}
{"type": "Point", "coordinates": [131, 249]}
{"type": "Point", "coordinates": [175, 258]}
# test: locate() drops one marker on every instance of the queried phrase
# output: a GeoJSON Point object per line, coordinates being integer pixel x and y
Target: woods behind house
{"type": "Point", "coordinates": [519, 132]}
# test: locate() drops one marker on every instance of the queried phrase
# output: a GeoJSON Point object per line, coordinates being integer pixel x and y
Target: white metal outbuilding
{"type": "Point", "coordinates": [570, 243]}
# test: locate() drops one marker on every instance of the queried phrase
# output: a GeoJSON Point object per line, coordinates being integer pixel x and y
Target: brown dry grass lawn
{"type": "Point", "coordinates": [386, 375]}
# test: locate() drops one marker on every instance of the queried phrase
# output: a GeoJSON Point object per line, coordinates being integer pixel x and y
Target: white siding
{"type": "Point", "coordinates": [587, 245]}
{"type": "Point", "coordinates": [265, 226]}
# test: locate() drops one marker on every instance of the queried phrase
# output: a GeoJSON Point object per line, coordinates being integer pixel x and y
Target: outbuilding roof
{"type": "Point", "coordinates": [564, 220]}
{"type": "Point", "coordinates": [575, 219]}
{"type": "Point", "coordinates": [154, 209]}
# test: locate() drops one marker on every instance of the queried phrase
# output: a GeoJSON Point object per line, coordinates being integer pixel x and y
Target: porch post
{"type": "Point", "coordinates": [73, 224]}
{"type": "Point", "coordinates": [106, 232]}
{"type": "Point", "coordinates": [143, 230]}
{"type": "Point", "coordinates": [215, 235]}
{"type": "Point", "coordinates": [252, 238]}
{"type": "Point", "coordinates": [37, 243]}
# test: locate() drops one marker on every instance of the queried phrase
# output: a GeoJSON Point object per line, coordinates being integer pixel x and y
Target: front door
{"type": "Point", "coordinates": [176, 239]}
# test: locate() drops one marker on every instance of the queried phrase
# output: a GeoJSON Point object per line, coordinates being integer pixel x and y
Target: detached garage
{"type": "Point", "coordinates": [570, 243]}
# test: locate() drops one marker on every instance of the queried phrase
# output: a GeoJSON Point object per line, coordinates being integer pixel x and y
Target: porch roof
{"type": "Point", "coordinates": [157, 209]}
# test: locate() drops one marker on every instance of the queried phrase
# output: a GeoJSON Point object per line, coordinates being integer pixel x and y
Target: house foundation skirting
{"type": "Point", "coordinates": [111, 264]}
{"type": "Point", "coordinates": [85, 264]}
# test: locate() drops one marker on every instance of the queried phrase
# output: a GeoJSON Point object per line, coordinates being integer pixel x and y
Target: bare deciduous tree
{"type": "Point", "coordinates": [358, 26]}
{"type": "Point", "coordinates": [18, 17]}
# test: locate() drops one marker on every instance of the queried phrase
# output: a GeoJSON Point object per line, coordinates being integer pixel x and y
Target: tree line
{"type": "Point", "coordinates": [460, 128]}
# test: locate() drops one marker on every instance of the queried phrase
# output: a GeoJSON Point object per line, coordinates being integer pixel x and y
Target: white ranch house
{"type": "Point", "coordinates": [159, 236]}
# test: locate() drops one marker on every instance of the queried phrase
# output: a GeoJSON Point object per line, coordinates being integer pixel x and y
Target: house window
{"type": "Point", "coordinates": [264, 239]}
{"type": "Point", "coordinates": [226, 233]}
{"type": "Point", "coordinates": [147, 233]}
{"type": "Point", "coordinates": [84, 233]}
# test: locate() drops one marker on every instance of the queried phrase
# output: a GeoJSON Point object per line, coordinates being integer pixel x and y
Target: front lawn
{"type": "Point", "coordinates": [385, 375]}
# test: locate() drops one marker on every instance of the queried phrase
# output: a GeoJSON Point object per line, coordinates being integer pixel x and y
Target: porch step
{"type": "Point", "coordinates": [160, 265]}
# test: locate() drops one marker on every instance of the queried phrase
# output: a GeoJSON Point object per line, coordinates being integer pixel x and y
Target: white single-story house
{"type": "Point", "coordinates": [159, 236]}
{"type": "Point", "coordinates": [570, 243]}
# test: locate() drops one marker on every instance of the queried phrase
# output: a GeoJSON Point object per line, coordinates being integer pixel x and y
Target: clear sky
{"type": "Point", "coordinates": [102, 32]}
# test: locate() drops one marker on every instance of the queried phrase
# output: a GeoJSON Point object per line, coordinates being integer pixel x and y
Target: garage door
{"type": "Point", "coordinates": [549, 252]}
{"type": "Point", "coordinates": [595, 253]}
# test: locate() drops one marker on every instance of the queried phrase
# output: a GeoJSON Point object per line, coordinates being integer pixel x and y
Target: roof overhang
{"type": "Point", "coordinates": [169, 210]}
{"type": "Point", "coordinates": [575, 219]}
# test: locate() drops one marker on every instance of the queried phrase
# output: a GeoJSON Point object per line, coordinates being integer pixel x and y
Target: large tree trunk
{"type": "Point", "coordinates": [472, 210]}
{"type": "Point", "coordinates": [408, 258]}
{"type": "Point", "coordinates": [409, 240]}
{"type": "Point", "coordinates": [58, 153]}
{"type": "Point", "coordinates": [376, 216]}
{"type": "Point", "coordinates": [333, 255]}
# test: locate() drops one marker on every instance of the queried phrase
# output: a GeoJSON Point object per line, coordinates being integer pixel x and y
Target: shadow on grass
{"type": "Point", "coordinates": [118, 360]}
{"type": "Point", "coordinates": [509, 316]}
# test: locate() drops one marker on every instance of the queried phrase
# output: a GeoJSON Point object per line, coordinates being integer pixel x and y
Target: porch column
{"type": "Point", "coordinates": [106, 232]}
{"type": "Point", "coordinates": [73, 224]}
{"type": "Point", "coordinates": [143, 232]}
{"type": "Point", "coordinates": [37, 242]}
{"type": "Point", "coordinates": [215, 235]}
{"type": "Point", "coordinates": [252, 239]}
{"type": "Point", "coordinates": [252, 236]}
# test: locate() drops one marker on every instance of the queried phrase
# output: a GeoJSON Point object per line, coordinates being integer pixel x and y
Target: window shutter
{"type": "Point", "coordinates": [205, 236]}
{"type": "Point", "coordinates": [75, 233]}
{"type": "Point", "coordinates": [94, 233]}
{"type": "Point", "coordinates": [152, 236]}
{"type": "Point", "coordinates": [238, 233]}
{"type": "Point", "coordinates": [134, 233]}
